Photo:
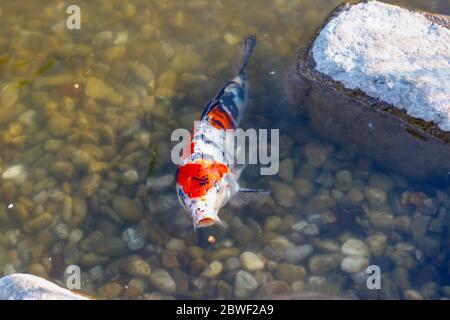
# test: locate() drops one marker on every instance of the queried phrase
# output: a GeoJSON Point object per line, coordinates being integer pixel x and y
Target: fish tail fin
{"type": "Point", "coordinates": [243, 54]}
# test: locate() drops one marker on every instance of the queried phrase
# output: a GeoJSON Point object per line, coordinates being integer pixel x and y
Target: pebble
{"type": "Point", "coordinates": [90, 184]}
{"type": "Point", "coordinates": [251, 262]}
{"type": "Point", "coordinates": [285, 195]}
{"type": "Point", "coordinates": [355, 247]}
{"type": "Point", "coordinates": [305, 227]}
{"type": "Point", "coordinates": [137, 267]}
{"type": "Point", "coordinates": [160, 183]}
{"type": "Point", "coordinates": [412, 295]}
{"type": "Point", "coordinates": [81, 159]}
{"type": "Point", "coordinates": [240, 231]}
{"type": "Point", "coordinates": [272, 223]}
{"type": "Point", "coordinates": [61, 231]}
{"type": "Point", "coordinates": [304, 187]}
{"type": "Point", "coordinates": [317, 154]}
{"type": "Point", "coordinates": [163, 281]}
{"type": "Point", "coordinates": [97, 273]}
{"type": "Point", "coordinates": [344, 180]}
{"type": "Point", "coordinates": [354, 264]}
{"type": "Point", "coordinates": [133, 240]}
{"type": "Point", "coordinates": [289, 272]}
{"type": "Point", "coordinates": [16, 173]}
{"type": "Point", "coordinates": [222, 253]}
{"type": "Point", "coordinates": [63, 169]}
{"type": "Point", "coordinates": [139, 284]}
{"type": "Point", "coordinates": [322, 264]}
{"type": "Point", "coordinates": [40, 222]}
{"type": "Point", "coordinates": [175, 244]}
{"type": "Point", "coordinates": [110, 246]}
{"type": "Point", "coordinates": [130, 177]}
{"type": "Point", "coordinates": [286, 170]}
{"type": "Point", "coordinates": [213, 270]}
{"type": "Point", "coordinates": [8, 269]}
{"type": "Point", "coordinates": [354, 196]}
{"type": "Point", "coordinates": [110, 290]}
{"type": "Point", "coordinates": [376, 197]}
{"type": "Point", "coordinates": [98, 89]}
{"type": "Point", "coordinates": [75, 236]}
{"type": "Point", "coordinates": [244, 285]}
{"type": "Point", "coordinates": [320, 203]}
{"type": "Point", "coordinates": [274, 288]}
{"type": "Point", "coordinates": [131, 210]}
{"type": "Point", "coordinates": [297, 254]}
{"type": "Point", "coordinates": [377, 244]}
{"type": "Point", "coordinates": [382, 220]}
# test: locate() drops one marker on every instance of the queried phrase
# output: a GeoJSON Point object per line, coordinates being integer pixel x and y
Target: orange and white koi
{"type": "Point", "coordinates": [204, 180]}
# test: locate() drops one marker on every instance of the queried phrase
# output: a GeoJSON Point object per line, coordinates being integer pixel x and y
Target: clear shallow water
{"type": "Point", "coordinates": [84, 113]}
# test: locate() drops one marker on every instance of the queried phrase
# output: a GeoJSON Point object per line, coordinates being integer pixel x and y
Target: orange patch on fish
{"type": "Point", "coordinates": [220, 119]}
{"type": "Point", "coordinates": [198, 177]}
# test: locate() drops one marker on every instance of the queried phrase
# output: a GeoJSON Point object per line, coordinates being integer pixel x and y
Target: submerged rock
{"type": "Point", "coordinates": [29, 287]}
{"type": "Point", "coordinates": [244, 285]}
{"type": "Point", "coordinates": [377, 86]}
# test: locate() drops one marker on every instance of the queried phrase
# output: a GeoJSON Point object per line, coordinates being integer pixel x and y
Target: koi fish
{"type": "Point", "coordinates": [205, 182]}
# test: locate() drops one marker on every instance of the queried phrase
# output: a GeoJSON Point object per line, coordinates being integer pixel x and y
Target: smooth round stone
{"type": "Point", "coordinates": [15, 173]}
{"type": "Point", "coordinates": [289, 272]}
{"type": "Point", "coordinates": [377, 198]}
{"type": "Point", "coordinates": [316, 154]}
{"type": "Point", "coordinates": [382, 220]}
{"type": "Point", "coordinates": [137, 267]}
{"type": "Point", "coordinates": [298, 253]}
{"type": "Point", "coordinates": [131, 210]}
{"type": "Point", "coordinates": [75, 236]}
{"type": "Point", "coordinates": [344, 180]}
{"type": "Point", "coordinates": [305, 227]}
{"type": "Point", "coordinates": [97, 273]}
{"type": "Point", "coordinates": [130, 177]}
{"type": "Point", "coordinates": [162, 281]}
{"type": "Point", "coordinates": [377, 244]}
{"type": "Point", "coordinates": [304, 187]}
{"type": "Point", "coordinates": [354, 264]}
{"type": "Point", "coordinates": [272, 223]}
{"type": "Point", "coordinates": [175, 244]}
{"type": "Point", "coordinates": [61, 231]}
{"type": "Point", "coordinates": [133, 240]}
{"type": "Point", "coordinates": [412, 295]}
{"type": "Point", "coordinates": [323, 264]}
{"type": "Point", "coordinates": [110, 290]}
{"type": "Point", "coordinates": [8, 269]}
{"type": "Point", "coordinates": [251, 262]}
{"type": "Point", "coordinates": [286, 170]}
{"type": "Point", "coordinates": [244, 285]}
{"type": "Point", "coordinates": [360, 277]}
{"type": "Point", "coordinates": [354, 196]}
{"type": "Point", "coordinates": [355, 247]}
{"type": "Point", "coordinates": [285, 195]}
{"type": "Point", "coordinates": [213, 270]}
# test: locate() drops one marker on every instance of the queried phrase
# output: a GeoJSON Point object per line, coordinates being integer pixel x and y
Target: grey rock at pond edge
{"type": "Point", "coordinates": [20, 286]}
{"type": "Point", "coordinates": [377, 87]}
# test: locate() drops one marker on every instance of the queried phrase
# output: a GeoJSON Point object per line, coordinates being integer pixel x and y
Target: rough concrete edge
{"type": "Point", "coordinates": [305, 67]}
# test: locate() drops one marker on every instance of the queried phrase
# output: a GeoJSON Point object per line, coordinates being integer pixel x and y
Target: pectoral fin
{"type": "Point", "coordinates": [249, 197]}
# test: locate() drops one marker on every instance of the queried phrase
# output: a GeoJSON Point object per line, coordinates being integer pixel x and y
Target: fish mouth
{"type": "Point", "coordinates": [205, 222]}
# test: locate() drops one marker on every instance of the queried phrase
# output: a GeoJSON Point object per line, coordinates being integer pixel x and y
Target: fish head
{"type": "Point", "coordinates": [202, 191]}
{"type": "Point", "coordinates": [204, 210]}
